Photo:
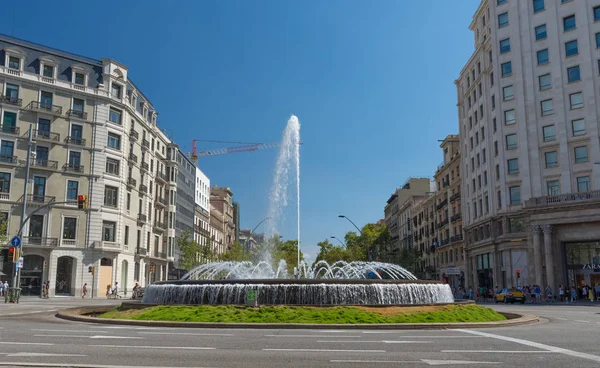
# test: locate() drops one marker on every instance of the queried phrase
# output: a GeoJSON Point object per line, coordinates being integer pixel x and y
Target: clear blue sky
{"type": "Point", "coordinates": [371, 82]}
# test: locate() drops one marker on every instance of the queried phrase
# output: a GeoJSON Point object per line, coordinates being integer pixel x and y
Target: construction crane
{"type": "Point", "coordinates": [222, 151]}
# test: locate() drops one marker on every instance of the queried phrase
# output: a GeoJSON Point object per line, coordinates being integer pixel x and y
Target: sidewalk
{"type": "Point", "coordinates": [579, 303]}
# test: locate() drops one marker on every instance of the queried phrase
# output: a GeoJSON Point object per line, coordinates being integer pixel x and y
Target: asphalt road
{"type": "Point", "coordinates": [30, 335]}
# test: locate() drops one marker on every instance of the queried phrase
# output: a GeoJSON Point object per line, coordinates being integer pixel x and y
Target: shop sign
{"type": "Point", "coordinates": [594, 267]}
{"type": "Point", "coordinates": [452, 271]}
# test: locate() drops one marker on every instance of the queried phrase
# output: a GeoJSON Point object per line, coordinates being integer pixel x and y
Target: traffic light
{"type": "Point", "coordinates": [152, 268]}
{"type": "Point", "coordinates": [518, 274]}
{"type": "Point", "coordinates": [90, 269]}
{"type": "Point", "coordinates": [11, 253]}
{"type": "Point", "coordinates": [81, 201]}
{"type": "Point", "coordinates": [45, 265]}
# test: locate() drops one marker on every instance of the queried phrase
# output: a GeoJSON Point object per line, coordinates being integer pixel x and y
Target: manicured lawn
{"type": "Point", "coordinates": [326, 315]}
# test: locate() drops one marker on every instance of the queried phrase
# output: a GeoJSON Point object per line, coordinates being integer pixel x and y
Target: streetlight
{"type": "Point", "coordinates": [251, 232]}
{"type": "Point", "coordinates": [333, 237]}
{"type": "Point", "coordinates": [342, 216]}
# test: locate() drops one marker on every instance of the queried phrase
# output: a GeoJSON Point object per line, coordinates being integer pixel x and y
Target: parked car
{"type": "Point", "coordinates": [510, 296]}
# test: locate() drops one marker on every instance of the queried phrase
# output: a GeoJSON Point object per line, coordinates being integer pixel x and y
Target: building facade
{"type": "Point", "coordinates": [202, 210]}
{"type": "Point", "coordinates": [426, 236]}
{"type": "Point", "coordinates": [221, 199]}
{"type": "Point", "coordinates": [529, 131]}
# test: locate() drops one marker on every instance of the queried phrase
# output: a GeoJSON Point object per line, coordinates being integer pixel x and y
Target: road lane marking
{"type": "Point", "coordinates": [561, 319]}
{"type": "Point", "coordinates": [377, 361]}
{"type": "Point", "coordinates": [26, 343]}
{"type": "Point", "coordinates": [317, 336]}
{"type": "Point", "coordinates": [43, 355]}
{"type": "Point", "coordinates": [553, 349]}
{"type": "Point", "coordinates": [422, 361]}
{"type": "Point", "coordinates": [184, 333]}
{"type": "Point", "coordinates": [455, 362]}
{"type": "Point", "coordinates": [79, 365]}
{"type": "Point", "coordinates": [499, 351]}
{"type": "Point", "coordinates": [153, 347]}
{"type": "Point", "coordinates": [578, 320]}
{"type": "Point", "coordinates": [92, 337]}
{"type": "Point", "coordinates": [378, 341]}
{"type": "Point", "coordinates": [326, 351]}
{"type": "Point", "coordinates": [50, 330]}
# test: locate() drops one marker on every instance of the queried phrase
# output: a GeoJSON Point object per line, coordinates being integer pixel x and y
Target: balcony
{"type": "Point", "coordinates": [35, 199]}
{"type": "Point", "coordinates": [445, 242]}
{"type": "Point", "coordinates": [133, 135]}
{"type": "Point", "coordinates": [43, 242]}
{"type": "Point", "coordinates": [161, 177]}
{"type": "Point", "coordinates": [10, 100]}
{"type": "Point", "coordinates": [9, 159]}
{"type": "Point", "coordinates": [39, 163]}
{"type": "Point", "coordinates": [37, 106]}
{"type": "Point", "coordinates": [161, 202]}
{"type": "Point", "coordinates": [142, 218]}
{"type": "Point", "coordinates": [132, 158]}
{"type": "Point", "coordinates": [145, 166]}
{"type": "Point", "coordinates": [141, 251]}
{"type": "Point", "coordinates": [73, 168]}
{"type": "Point", "coordinates": [443, 223]}
{"type": "Point", "coordinates": [131, 182]}
{"type": "Point", "coordinates": [161, 255]}
{"type": "Point", "coordinates": [145, 144]}
{"type": "Point", "coordinates": [46, 136]}
{"type": "Point", "coordinates": [456, 217]}
{"type": "Point", "coordinates": [564, 199]}
{"type": "Point", "coordinates": [10, 129]}
{"type": "Point", "coordinates": [160, 226]}
{"type": "Point", "coordinates": [143, 188]}
{"type": "Point", "coordinates": [77, 114]}
{"type": "Point", "coordinates": [454, 197]}
{"type": "Point", "coordinates": [75, 141]}
{"type": "Point", "coordinates": [107, 245]}
{"type": "Point", "coordinates": [442, 204]}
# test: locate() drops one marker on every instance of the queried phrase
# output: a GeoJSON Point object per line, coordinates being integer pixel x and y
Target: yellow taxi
{"type": "Point", "coordinates": [510, 296]}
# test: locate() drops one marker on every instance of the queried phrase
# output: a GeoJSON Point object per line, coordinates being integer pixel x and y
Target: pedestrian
{"type": "Point", "coordinates": [573, 294]}
{"type": "Point", "coordinates": [84, 290]}
{"type": "Point", "coordinates": [1, 288]}
{"type": "Point", "coordinates": [561, 293]}
{"type": "Point", "coordinates": [598, 292]}
{"type": "Point", "coordinates": [5, 288]}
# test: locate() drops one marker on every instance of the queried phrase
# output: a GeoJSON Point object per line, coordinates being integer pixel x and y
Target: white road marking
{"type": "Point", "coordinates": [44, 355]}
{"type": "Point", "coordinates": [499, 351]}
{"type": "Point", "coordinates": [317, 336]}
{"type": "Point", "coordinates": [422, 361]}
{"type": "Point", "coordinates": [578, 320]}
{"type": "Point", "coordinates": [377, 341]}
{"type": "Point", "coordinates": [561, 319]}
{"type": "Point", "coordinates": [26, 343]}
{"type": "Point", "coordinates": [183, 333]}
{"type": "Point", "coordinates": [326, 350]}
{"type": "Point", "coordinates": [377, 361]}
{"type": "Point", "coordinates": [455, 362]}
{"type": "Point", "coordinates": [50, 330]}
{"type": "Point", "coordinates": [553, 349]}
{"type": "Point", "coordinates": [91, 337]}
{"type": "Point", "coordinates": [79, 365]}
{"type": "Point", "coordinates": [153, 347]}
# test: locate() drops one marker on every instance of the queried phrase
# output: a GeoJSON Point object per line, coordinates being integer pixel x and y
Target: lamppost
{"type": "Point", "coordinates": [342, 216]}
{"type": "Point", "coordinates": [333, 237]}
{"type": "Point", "coordinates": [250, 235]}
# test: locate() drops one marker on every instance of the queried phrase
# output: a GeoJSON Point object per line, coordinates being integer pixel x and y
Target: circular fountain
{"type": "Point", "coordinates": [342, 283]}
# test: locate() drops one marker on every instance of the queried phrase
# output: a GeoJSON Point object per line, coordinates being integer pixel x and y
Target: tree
{"type": "Point", "coordinates": [189, 252]}
{"type": "Point", "coordinates": [331, 253]}
{"type": "Point", "coordinates": [287, 251]}
{"type": "Point", "coordinates": [206, 252]}
{"type": "Point", "coordinates": [409, 258]}
{"type": "Point", "coordinates": [236, 253]}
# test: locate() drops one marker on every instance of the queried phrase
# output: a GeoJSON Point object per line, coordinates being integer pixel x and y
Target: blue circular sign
{"type": "Point", "coordinates": [15, 241]}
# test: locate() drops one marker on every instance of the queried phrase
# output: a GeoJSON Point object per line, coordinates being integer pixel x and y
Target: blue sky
{"type": "Point", "coordinates": [371, 82]}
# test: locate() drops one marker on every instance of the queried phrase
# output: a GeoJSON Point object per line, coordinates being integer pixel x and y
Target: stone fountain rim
{"type": "Point", "coordinates": [297, 282]}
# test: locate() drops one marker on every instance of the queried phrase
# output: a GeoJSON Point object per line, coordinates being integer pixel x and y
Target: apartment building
{"type": "Point", "coordinates": [202, 209]}
{"type": "Point", "coordinates": [221, 199]}
{"type": "Point", "coordinates": [426, 236]}
{"type": "Point", "coordinates": [528, 120]}
{"type": "Point", "coordinates": [450, 246]}
{"type": "Point", "coordinates": [89, 124]}
{"type": "Point", "coordinates": [217, 231]}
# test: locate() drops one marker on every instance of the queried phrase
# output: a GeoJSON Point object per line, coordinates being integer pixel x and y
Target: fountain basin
{"type": "Point", "coordinates": [298, 292]}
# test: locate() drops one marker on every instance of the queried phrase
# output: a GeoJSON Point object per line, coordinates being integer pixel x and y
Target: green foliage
{"type": "Point", "coordinates": [3, 231]}
{"type": "Point", "coordinates": [189, 252]}
{"type": "Point", "coordinates": [236, 253]}
{"type": "Point", "coordinates": [206, 252]}
{"type": "Point", "coordinates": [287, 251]}
{"type": "Point", "coordinates": [409, 259]}
{"type": "Point", "coordinates": [324, 315]}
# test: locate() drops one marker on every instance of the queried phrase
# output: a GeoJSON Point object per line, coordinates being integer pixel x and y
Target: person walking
{"type": "Point", "coordinates": [84, 290]}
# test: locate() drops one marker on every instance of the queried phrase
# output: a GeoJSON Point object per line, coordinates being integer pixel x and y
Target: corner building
{"type": "Point", "coordinates": [529, 130]}
{"type": "Point", "coordinates": [94, 134]}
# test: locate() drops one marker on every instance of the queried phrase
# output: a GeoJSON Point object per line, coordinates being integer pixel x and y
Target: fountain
{"type": "Point", "coordinates": [341, 283]}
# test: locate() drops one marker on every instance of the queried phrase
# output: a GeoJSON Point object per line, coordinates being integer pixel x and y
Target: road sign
{"type": "Point", "coordinates": [21, 262]}
{"type": "Point", "coordinates": [15, 241]}
{"type": "Point", "coordinates": [252, 295]}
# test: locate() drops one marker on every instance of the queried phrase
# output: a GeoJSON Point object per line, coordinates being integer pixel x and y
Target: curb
{"type": "Point", "coordinates": [81, 314]}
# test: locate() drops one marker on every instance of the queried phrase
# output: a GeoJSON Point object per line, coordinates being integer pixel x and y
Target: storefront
{"type": "Point", "coordinates": [484, 270]}
{"type": "Point", "coordinates": [583, 263]}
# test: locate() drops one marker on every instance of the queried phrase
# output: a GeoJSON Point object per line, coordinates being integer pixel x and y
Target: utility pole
{"type": "Point", "coordinates": [17, 278]}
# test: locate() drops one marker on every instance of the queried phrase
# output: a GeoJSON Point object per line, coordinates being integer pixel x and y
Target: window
{"type": "Point", "coordinates": [12, 91]}
{"type": "Point", "coordinates": [540, 32]}
{"type": "Point", "coordinates": [576, 100]}
{"type": "Point", "coordinates": [491, 78]}
{"type": "Point", "coordinates": [80, 79]}
{"type": "Point", "coordinates": [583, 184]}
{"type": "Point", "coordinates": [513, 166]}
{"type": "Point", "coordinates": [581, 154]}
{"type": "Point", "coordinates": [499, 199]}
{"type": "Point", "coordinates": [115, 116]}
{"type": "Point", "coordinates": [7, 149]}
{"type": "Point", "coordinates": [515, 195]}
{"type": "Point", "coordinates": [509, 117]}
{"type": "Point", "coordinates": [494, 125]}
{"type": "Point", "coordinates": [46, 100]}
{"type": "Point", "coordinates": [505, 46]}
{"type": "Point", "coordinates": [573, 74]}
{"type": "Point", "coordinates": [112, 166]}
{"type": "Point", "coordinates": [596, 13]}
{"type": "Point", "coordinates": [500, 2]}
{"type": "Point", "coordinates": [571, 48]}
{"type": "Point", "coordinates": [48, 71]}
{"type": "Point", "coordinates": [484, 155]}
{"type": "Point", "coordinates": [108, 230]}
{"type": "Point", "coordinates": [578, 127]}
{"type": "Point", "coordinates": [485, 179]}
{"type": "Point", "coordinates": [542, 57]}
{"type": "Point", "coordinates": [598, 40]}
{"type": "Point", "coordinates": [569, 23]}
{"type": "Point", "coordinates": [75, 160]}
{"type": "Point", "coordinates": [508, 93]}
{"type": "Point", "coordinates": [496, 148]}
{"type": "Point", "coordinates": [128, 201]}
{"type": "Point", "coordinates": [549, 134]}
{"type": "Point", "coordinates": [116, 91]}
{"type": "Point", "coordinates": [497, 172]}
{"type": "Point", "coordinates": [551, 159]}
{"type": "Point", "coordinates": [511, 141]}
{"type": "Point", "coordinates": [538, 6]}
{"type": "Point", "coordinates": [482, 134]}
{"type": "Point", "coordinates": [5, 182]}
{"type": "Point", "coordinates": [72, 190]}
{"type": "Point", "coordinates": [70, 228]}
{"type": "Point", "coordinates": [110, 196]}
{"type": "Point", "coordinates": [76, 134]}
{"type": "Point", "coordinates": [502, 20]}
{"type": "Point", "coordinates": [14, 62]}
{"type": "Point", "coordinates": [126, 240]}
{"type": "Point", "coordinates": [545, 82]}
{"type": "Point", "coordinates": [493, 102]}
{"type": "Point", "coordinates": [506, 69]}
{"type": "Point", "coordinates": [547, 107]}
{"type": "Point", "coordinates": [114, 141]}
{"type": "Point", "coordinates": [553, 187]}
{"type": "Point", "coordinates": [78, 105]}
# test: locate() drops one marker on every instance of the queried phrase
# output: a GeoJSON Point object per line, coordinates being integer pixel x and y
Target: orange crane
{"type": "Point", "coordinates": [222, 151]}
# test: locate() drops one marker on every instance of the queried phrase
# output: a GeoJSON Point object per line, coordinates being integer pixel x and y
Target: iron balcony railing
{"type": "Point", "coordinates": [456, 217]}
{"type": "Point", "coordinates": [10, 129]}
{"type": "Point", "coordinates": [133, 134]}
{"type": "Point", "coordinates": [9, 159]}
{"type": "Point", "coordinates": [73, 168]}
{"type": "Point", "coordinates": [75, 141]}
{"type": "Point", "coordinates": [161, 176]}
{"type": "Point", "coordinates": [131, 182]}
{"type": "Point", "coordinates": [45, 135]}
{"type": "Point", "coordinates": [39, 199]}
{"type": "Point", "coordinates": [44, 164]}
{"type": "Point", "coordinates": [145, 144]}
{"type": "Point", "coordinates": [141, 251]}
{"type": "Point", "coordinates": [563, 199]}
{"type": "Point", "coordinates": [145, 166]}
{"type": "Point", "coordinates": [133, 158]}
{"type": "Point", "coordinates": [454, 197]}
{"type": "Point", "coordinates": [11, 100]}
{"type": "Point", "coordinates": [35, 241]}
{"type": "Point", "coordinates": [142, 217]}
{"type": "Point", "coordinates": [44, 107]}
{"type": "Point", "coordinates": [77, 114]}
{"type": "Point", "coordinates": [143, 188]}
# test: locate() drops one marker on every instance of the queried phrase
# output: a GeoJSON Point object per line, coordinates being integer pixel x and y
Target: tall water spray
{"type": "Point", "coordinates": [287, 162]}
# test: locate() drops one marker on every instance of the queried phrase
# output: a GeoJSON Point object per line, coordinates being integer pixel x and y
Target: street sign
{"type": "Point", "coordinates": [15, 241]}
{"type": "Point", "coordinates": [21, 262]}
{"type": "Point", "coordinates": [252, 295]}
